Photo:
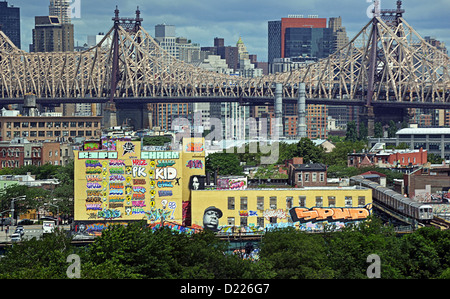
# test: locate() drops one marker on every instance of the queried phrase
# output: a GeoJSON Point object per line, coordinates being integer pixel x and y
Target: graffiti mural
{"type": "Point", "coordinates": [304, 215]}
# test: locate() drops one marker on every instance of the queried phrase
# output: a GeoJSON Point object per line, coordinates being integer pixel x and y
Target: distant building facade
{"type": "Point", "coordinates": [10, 22]}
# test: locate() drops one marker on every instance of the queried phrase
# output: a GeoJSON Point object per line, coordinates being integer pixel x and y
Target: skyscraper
{"type": "Point", "coordinates": [10, 22]}
{"type": "Point", "coordinates": [50, 35]}
{"type": "Point", "coordinates": [60, 8]}
{"type": "Point", "coordinates": [54, 33]}
{"type": "Point", "coordinates": [277, 32]}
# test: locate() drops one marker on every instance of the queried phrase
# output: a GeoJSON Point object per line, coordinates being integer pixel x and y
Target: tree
{"type": "Point", "coordinates": [434, 159]}
{"type": "Point", "coordinates": [351, 134]}
{"type": "Point", "coordinates": [294, 254]}
{"type": "Point", "coordinates": [338, 156]}
{"type": "Point", "coordinates": [392, 129]}
{"type": "Point", "coordinates": [224, 163]}
{"type": "Point", "coordinates": [309, 151]}
{"type": "Point", "coordinates": [378, 130]}
{"type": "Point", "coordinates": [363, 132]}
{"type": "Point", "coordinates": [40, 259]}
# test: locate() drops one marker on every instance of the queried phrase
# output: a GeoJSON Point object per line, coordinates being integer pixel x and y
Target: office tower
{"type": "Point", "coordinates": [277, 32]}
{"type": "Point", "coordinates": [10, 22]}
{"type": "Point", "coordinates": [308, 42]}
{"type": "Point", "coordinates": [230, 54]}
{"type": "Point", "coordinates": [50, 35]}
{"type": "Point", "coordinates": [60, 8]}
{"type": "Point", "coordinates": [340, 38]}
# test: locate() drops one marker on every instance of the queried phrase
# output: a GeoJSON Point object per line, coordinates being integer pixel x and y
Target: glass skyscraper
{"type": "Point", "coordinates": [10, 22]}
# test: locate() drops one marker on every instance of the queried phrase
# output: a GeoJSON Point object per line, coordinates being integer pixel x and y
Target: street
{"type": "Point", "coordinates": [30, 232]}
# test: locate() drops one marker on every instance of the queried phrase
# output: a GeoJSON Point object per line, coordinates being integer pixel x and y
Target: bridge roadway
{"type": "Point", "coordinates": [256, 101]}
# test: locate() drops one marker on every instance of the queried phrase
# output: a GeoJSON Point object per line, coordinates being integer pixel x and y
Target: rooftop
{"type": "Point", "coordinates": [423, 131]}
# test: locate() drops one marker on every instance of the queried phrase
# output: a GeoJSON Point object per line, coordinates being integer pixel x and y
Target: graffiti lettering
{"type": "Point", "coordinates": [116, 170]}
{"type": "Point", "coordinates": [93, 178]}
{"type": "Point", "coordinates": [92, 163]}
{"type": "Point", "coordinates": [139, 171]}
{"type": "Point", "coordinates": [93, 170]}
{"type": "Point", "coordinates": [303, 215]}
{"type": "Point", "coordinates": [165, 184]}
{"type": "Point", "coordinates": [139, 162]}
{"type": "Point", "coordinates": [109, 214]}
{"type": "Point", "coordinates": [165, 163]}
{"type": "Point", "coordinates": [115, 186]}
{"type": "Point", "coordinates": [116, 192]}
{"type": "Point", "coordinates": [93, 206]}
{"type": "Point", "coordinates": [138, 189]}
{"type": "Point", "coordinates": [116, 163]}
{"type": "Point", "coordinates": [119, 178]}
{"type": "Point", "coordinates": [94, 199]}
{"type": "Point", "coordinates": [138, 196]}
{"type": "Point", "coordinates": [162, 193]}
{"type": "Point", "coordinates": [194, 147]}
{"type": "Point", "coordinates": [113, 205]}
{"type": "Point", "coordinates": [168, 173]}
{"type": "Point", "coordinates": [135, 210]}
{"type": "Point", "coordinates": [93, 185]}
{"type": "Point", "coordinates": [274, 213]}
{"type": "Point", "coordinates": [138, 182]}
{"type": "Point", "coordinates": [195, 164]}
{"type": "Point", "coordinates": [94, 193]}
{"type": "Point", "coordinates": [138, 203]}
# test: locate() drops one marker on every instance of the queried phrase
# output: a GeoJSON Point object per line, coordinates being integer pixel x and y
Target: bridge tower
{"type": "Point", "coordinates": [392, 17]}
{"type": "Point", "coordinates": [141, 115]}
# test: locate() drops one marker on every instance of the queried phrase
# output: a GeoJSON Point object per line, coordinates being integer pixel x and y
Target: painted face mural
{"type": "Point", "coordinates": [211, 218]}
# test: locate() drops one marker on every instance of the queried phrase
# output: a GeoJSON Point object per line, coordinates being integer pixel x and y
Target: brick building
{"type": "Point", "coordinates": [51, 128]}
{"type": "Point", "coordinates": [306, 175]}
{"type": "Point", "coordinates": [424, 182]}
{"type": "Point", "coordinates": [388, 158]}
{"type": "Point", "coordinates": [20, 152]}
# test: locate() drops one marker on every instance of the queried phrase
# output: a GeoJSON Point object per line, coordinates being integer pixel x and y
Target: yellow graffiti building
{"type": "Point", "coordinates": [120, 182]}
{"type": "Point", "coordinates": [256, 210]}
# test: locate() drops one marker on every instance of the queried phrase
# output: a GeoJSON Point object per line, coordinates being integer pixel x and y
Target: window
{"type": "Point", "coordinates": [243, 203]}
{"type": "Point", "coordinates": [243, 221]}
{"type": "Point", "coordinates": [306, 177]}
{"type": "Point", "coordinates": [348, 201]}
{"type": "Point", "coordinates": [302, 201]}
{"type": "Point", "coordinates": [273, 202]}
{"type": "Point", "coordinates": [300, 177]}
{"type": "Point", "coordinates": [230, 203]}
{"type": "Point", "coordinates": [260, 221]}
{"type": "Point", "coordinates": [319, 201]}
{"type": "Point", "coordinates": [260, 203]}
{"type": "Point", "coordinates": [289, 202]}
{"type": "Point", "coordinates": [332, 201]}
{"type": "Point", "coordinates": [41, 133]}
{"type": "Point", "coordinates": [314, 176]}
{"type": "Point", "coordinates": [41, 124]}
{"type": "Point", "coordinates": [322, 177]}
{"type": "Point", "coordinates": [230, 221]}
{"type": "Point", "coordinates": [361, 201]}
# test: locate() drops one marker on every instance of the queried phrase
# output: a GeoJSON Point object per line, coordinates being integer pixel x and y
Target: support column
{"type": "Point", "coordinates": [110, 118]}
{"type": "Point", "coordinates": [301, 111]}
{"type": "Point", "coordinates": [279, 109]}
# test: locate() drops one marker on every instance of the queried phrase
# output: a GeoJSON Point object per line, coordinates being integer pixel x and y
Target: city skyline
{"type": "Point", "coordinates": [200, 21]}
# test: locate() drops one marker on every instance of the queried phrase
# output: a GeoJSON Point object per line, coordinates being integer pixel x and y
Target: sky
{"type": "Point", "coordinates": [202, 20]}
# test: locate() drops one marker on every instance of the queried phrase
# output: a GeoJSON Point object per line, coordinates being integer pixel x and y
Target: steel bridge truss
{"type": "Point", "coordinates": [381, 63]}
